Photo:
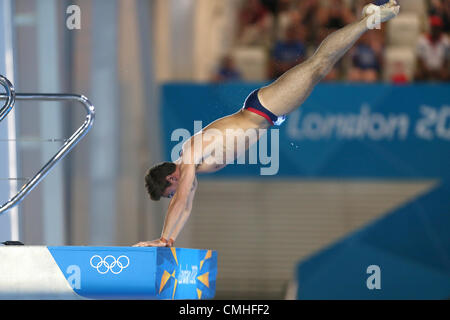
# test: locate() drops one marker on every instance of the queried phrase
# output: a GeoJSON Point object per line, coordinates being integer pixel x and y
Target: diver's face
{"type": "Point", "coordinates": [170, 190]}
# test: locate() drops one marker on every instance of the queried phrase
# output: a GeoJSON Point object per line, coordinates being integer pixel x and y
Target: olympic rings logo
{"type": "Point", "coordinates": [109, 263]}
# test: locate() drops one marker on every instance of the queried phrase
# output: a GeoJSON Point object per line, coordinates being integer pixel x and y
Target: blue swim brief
{"type": "Point", "coordinates": [253, 104]}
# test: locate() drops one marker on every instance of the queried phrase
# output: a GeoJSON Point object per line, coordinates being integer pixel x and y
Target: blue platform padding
{"type": "Point", "coordinates": [411, 247]}
{"type": "Point", "coordinates": [138, 273]}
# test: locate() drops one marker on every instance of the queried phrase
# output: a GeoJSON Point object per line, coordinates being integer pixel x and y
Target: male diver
{"type": "Point", "coordinates": [263, 108]}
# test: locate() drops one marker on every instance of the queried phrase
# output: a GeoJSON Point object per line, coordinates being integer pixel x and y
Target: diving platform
{"type": "Point", "coordinates": [84, 272]}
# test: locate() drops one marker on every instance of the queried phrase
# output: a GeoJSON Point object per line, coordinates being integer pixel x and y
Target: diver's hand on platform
{"type": "Point", "coordinates": [161, 242]}
{"type": "Point", "coordinates": [153, 243]}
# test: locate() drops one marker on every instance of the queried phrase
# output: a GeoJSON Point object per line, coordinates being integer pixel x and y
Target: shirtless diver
{"type": "Point", "coordinates": [262, 109]}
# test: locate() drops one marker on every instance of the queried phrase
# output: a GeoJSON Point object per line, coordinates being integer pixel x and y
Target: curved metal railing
{"type": "Point", "coordinates": [11, 97]}
{"type": "Point", "coordinates": [68, 145]}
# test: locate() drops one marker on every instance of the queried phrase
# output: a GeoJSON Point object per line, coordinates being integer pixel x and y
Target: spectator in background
{"type": "Point", "coordinates": [398, 74]}
{"type": "Point", "coordinates": [288, 52]}
{"type": "Point", "coordinates": [333, 17]}
{"type": "Point", "coordinates": [287, 15]}
{"type": "Point", "coordinates": [309, 11]}
{"type": "Point", "coordinates": [255, 24]}
{"type": "Point", "coordinates": [366, 60]}
{"type": "Point", "coordinates": [441, 8]}
{"type": "Point", "coordinates": [298, 12]}
{"type": "Point", "coordinates": [227, 71]}
{"type": "Point", "coordinates": [433, 51]}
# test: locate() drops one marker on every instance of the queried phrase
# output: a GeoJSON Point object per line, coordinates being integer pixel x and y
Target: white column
{"type": "Point", "coordinates": [104, 153]}
{"type": "Point", "coordinates": [9, 222]}
{"type": "Point", "coordinates": [50, 120]}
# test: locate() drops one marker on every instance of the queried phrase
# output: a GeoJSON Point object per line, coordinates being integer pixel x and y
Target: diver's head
{"type": "Point", "coordinates": [162, 180]}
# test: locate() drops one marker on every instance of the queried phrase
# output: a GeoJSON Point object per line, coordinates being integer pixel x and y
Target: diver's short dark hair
{"type": "Point", "coordinates": [155, 179]}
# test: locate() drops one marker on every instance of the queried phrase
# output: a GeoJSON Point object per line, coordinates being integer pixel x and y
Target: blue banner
{"type": "Point", "coordinates": [341, 131]}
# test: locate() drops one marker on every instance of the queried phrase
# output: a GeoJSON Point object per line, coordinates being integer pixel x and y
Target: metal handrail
{"type": "Point", "coordinates": [63, 151]}
{"type": "Point", "coordinates": [11, 97]}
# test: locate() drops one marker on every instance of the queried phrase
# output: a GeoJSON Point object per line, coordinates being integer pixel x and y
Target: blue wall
{"type": "Point", "coordinates": [342, 130]}
{"type": "Point", "coordinates": [410, 245]}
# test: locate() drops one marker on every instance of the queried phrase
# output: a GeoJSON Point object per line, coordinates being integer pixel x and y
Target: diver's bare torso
{"type": "Point", "coordinates": [201, 149]}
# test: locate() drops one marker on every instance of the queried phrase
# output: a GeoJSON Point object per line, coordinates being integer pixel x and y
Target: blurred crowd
{"type": "Point", "coordinates": [291, 30]}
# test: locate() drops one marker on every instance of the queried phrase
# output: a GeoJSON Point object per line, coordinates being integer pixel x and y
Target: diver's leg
{"type": "Point", "coordinates": [290, 90]}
